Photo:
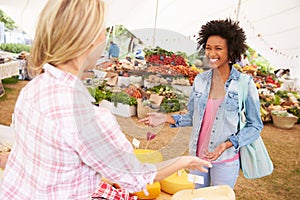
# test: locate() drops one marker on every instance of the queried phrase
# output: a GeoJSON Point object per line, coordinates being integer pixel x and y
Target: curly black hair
{"type": "Point", "coordinates": [229, 30]}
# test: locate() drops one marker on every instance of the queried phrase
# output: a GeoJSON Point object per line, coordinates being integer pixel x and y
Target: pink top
{"type": "Point", "coordinates": [206, 128]}
{"type": "Point", "coordinates": [207, 123]}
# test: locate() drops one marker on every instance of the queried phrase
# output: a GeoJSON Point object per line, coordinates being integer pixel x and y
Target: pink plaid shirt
{"type": "Point", "coordinates": [64, 144]}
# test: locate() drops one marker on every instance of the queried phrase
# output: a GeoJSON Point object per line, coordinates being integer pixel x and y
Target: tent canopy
{"type": "Point", "coordinates": [272, 26]}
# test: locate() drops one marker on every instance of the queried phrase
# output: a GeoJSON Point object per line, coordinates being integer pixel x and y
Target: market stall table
{"type": "Point", "coordinates": [9, 69]}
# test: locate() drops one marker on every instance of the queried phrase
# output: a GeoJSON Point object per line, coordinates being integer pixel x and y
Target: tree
{"type": "Point", "coordinates": [122, 32]}
{"type": "Point", "coordinates": [8, 22]}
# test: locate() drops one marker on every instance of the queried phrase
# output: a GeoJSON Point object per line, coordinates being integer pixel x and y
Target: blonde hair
{"type": "Point", "coordinates": [65, 30]}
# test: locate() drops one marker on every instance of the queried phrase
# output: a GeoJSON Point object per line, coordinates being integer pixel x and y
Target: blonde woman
{"type": "Point", "coordinates": [64, 144]}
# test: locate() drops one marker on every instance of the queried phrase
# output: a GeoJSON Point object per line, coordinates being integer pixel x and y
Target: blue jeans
{"type": "Point", "coordinates": [220, 174]}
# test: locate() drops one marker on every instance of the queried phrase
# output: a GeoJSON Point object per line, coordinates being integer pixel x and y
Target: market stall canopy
{"type": "Point", "coordinates": [272, 26]}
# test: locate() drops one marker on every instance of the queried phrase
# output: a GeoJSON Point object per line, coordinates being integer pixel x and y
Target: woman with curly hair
{"type": "Point", "coordinates": [213, 107]}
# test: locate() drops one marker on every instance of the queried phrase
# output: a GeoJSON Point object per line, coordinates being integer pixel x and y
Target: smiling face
{"type": "Point", "coordinates": [216, 52]}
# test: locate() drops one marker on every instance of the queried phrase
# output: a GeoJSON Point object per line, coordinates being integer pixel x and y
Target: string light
{"type": "Point", "coordinates": [263, 40]}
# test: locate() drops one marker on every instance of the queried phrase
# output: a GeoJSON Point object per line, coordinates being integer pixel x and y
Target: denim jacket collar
{"type": "Point", "coordinates": [234, 74]}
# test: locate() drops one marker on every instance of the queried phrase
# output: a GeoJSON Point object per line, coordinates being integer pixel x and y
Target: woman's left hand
{"type": "Point", "coordinates": [214, 155]}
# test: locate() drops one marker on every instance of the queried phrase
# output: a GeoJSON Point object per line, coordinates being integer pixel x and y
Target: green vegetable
{"type": "Point", "coordinates": [170, 105]}
{"type": "Point", "coordinates": [100, 95]}
{"type": "Point", "coordinates": [160, 88]}
{"type": "Point", "coordinates": [295, 111]}
{"type": "Point", "coordinates": [297, 95]}
{"type": "Point", "coordinates": [123, 98]}
{"type": "Point", "coordinates": [276, 100]}
{"type": "Point", "coordinates": [282, 93]}
{"type": "Point", "coordinates": [280, 113]}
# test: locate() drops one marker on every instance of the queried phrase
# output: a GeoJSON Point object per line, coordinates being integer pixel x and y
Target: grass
{"type": "Point", "coordinates": [11, 80]}
{"type": "Point", "coordinates": [284, 183]}
{"type": "Point", "coordinates": [6, 83]}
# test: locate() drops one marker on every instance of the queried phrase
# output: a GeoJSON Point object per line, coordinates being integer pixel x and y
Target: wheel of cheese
{"type": "Point", "coordinates": [153, 190]}
{"type": "Point", "coordinates": [222, 192]}
{"type": "Point", "coordinates": [148, 156]}
{"type": "Point", "coordinates": [176, 182]}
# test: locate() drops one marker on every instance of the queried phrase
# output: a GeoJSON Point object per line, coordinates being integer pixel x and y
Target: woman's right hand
{"type": "Point", "coordinates": [195, 163]}
{"type": "Point", "coordinates": [154, 119]}
{"type": "Point", "coordinates": [168, 167]}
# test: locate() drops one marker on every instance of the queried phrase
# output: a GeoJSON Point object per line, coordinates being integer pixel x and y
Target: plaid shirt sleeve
{"type": "Point", "coordinates": [106, 191]}
{"type": "Point", "coordinates": [102, 146]}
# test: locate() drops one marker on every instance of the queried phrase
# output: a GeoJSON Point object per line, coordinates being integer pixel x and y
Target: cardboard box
{"type": "Point", "coordinates": [121, 109]}
{"type": "Point", "coordinates": [112, 78]}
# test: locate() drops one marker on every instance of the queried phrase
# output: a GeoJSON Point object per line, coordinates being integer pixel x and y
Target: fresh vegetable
{"type": "Point", "coordinates": [163, 57]}
{"type": "Point", "coordinates": [295, 111]}
{"type": "Point", "coordinates": [123, 98]}
{"type": "Point", "coordinates": [100, 95]}
{"type": "Point", "coordinates": [170, 105]}
{"type": "Point", "coordinates": [120, 97]}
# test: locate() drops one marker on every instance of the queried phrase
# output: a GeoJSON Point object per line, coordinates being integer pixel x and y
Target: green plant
{"type": "Point", "coordinates": [170, 105]}
{"type": "Point", "coordinates": [11, 80]}
{"type": "Point", "coordinates": [102, 94]}
{"type": "Point", "coordinates": [9, 23]}
{"type": "Point", "coordinates": [14, 48]}
{"type": "Point", "coordinates": [295, 111]}
{"type": "Point", "coordinates": [123, 98]}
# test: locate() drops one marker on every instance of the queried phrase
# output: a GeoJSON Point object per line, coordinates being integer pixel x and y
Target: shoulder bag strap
{"type": "Point", "coordinates": [242, 94]}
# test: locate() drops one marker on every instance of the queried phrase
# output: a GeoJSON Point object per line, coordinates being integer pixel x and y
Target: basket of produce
{"type": "Point", "coordinates": [283, 119]}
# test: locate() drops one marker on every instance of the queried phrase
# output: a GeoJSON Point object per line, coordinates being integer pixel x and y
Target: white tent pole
{"type": "Point", "coordinates": [154, 32]}
{"type": "Point", "coordinates": [238, 10]}
{"type": "Point", "coordinates": [113, 33]}
{"type": "Point", "coordinates": [107, 37]}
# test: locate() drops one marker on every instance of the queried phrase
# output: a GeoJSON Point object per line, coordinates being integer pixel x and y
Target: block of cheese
{"type": "Point", "coordinates": [176, 182]}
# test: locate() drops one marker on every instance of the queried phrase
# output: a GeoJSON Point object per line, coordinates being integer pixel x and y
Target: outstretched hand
{"type": "Point", "coordinates": [195, 163]}
{"type": "Point", "coordinates": [168, 167]}
{"type": "Point", "coordinates": [154, 119]}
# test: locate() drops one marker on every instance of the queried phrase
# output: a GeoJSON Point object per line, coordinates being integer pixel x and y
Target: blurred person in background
{"type": "Point", "coordinates": [113, 52]}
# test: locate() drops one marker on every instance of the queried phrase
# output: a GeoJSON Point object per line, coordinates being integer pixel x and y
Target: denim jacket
{"type": "Point", "coordinates": [225, 125]}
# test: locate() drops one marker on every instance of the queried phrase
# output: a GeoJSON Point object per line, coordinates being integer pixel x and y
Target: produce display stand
{"type": "Point", "coordinates": [161, 67]}
{"type": "Point", "coordinates": [7, 70]}
{"type": "Point", "coordinates": [275, 94]}
{"type": "Point", "coordinates": [162, 72]}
